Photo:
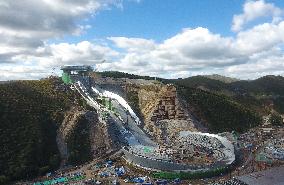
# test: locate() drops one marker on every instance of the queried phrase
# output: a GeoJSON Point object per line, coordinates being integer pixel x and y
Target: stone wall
{"type": "Point", "coordinates": [163, 113]}
{"type": "Point", "coordinates": [158, 165]}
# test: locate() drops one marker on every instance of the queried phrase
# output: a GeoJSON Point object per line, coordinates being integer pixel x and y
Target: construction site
{"type": "Point", "coordinates": [194, 151]}
{"type": "Point", "coordinates": [168, 143]}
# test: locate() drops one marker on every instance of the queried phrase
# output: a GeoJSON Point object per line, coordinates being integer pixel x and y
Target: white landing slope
{"type": "Point", "coordinates": [132, 133]}
{"type": "Point", "coordinates": [119, 99]}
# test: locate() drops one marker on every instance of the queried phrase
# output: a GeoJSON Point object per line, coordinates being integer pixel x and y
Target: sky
{"type": "Point", "coordinates": [167, 38]}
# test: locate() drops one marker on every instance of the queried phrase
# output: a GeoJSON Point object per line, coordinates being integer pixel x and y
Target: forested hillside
{"type": "Point", "coordinates": [78, 143]}
{"type": "Point", "coordinates": [118, 74]}
{"type": "Point", "coordinates": [218, 112]}
{"type": "Point", "coordinates": [255, 97]}
{"type": "Point", "coordinates": [256, 94]}
{"type": "Point", "coordinates": [202, 82]}
{"type": "Point", "coordinates": [29, 115]}
{"type": "Point", "coordinates": [32, 111]}
{"type": "Point", "coordinates": [267, 85]}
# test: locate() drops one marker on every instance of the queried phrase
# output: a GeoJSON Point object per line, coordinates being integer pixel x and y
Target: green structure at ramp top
{"type": "Point", "coordinates": [71, 72]}
{"type": "Point", "coordinates": [66, 78]}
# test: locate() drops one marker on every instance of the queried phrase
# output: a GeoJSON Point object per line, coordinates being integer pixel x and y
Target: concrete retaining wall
{"type": "Point", "coordinates": [157, 165]}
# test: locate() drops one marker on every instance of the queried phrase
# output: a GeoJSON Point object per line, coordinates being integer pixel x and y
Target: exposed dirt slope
{"type": "Point", "coordinates": [163, 112]}
{"type": "Point", "coordinates": [82, 133]}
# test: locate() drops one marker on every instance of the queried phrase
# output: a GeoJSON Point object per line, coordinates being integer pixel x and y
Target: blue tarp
{"type": "Point", "coordinates": [158, 182]}
{"type": "Point", "coordinates": [138, 180]}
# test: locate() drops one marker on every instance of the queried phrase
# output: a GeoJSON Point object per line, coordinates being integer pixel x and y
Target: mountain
{"type": "Point", "coordinates": [118, 74]}
{"type": "Point", "coordinates": [45, 124]}
{"type": "Point", "coordinates": [29, 114]}
{"type": "Point", "coordinates": [264, 86]}
{"type": "Point", "coordinates": [221, 78]}
{"type": "Point", "coordinates": [260, 95]}
{"type": "Point", "coordinates": [201, 82]}
{"type": "Point", "coordinates": [256, 94]}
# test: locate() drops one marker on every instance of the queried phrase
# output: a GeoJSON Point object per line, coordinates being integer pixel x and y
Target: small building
{"type": "Point", "coordinates": [72, 73]}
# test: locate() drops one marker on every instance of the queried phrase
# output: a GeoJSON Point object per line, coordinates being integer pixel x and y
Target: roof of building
{"type": "Point", "coordinates": [273, 176]}
{"type": "Point", "coordinates": [77, 68]}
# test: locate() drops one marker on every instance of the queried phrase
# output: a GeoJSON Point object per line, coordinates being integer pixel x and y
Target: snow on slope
{"type": "Point", "coordinates": [120, 100]}
{"type": "Point", "coordinates": [84, 93]}
{"type": "Point", "coordinates": [130, 137]}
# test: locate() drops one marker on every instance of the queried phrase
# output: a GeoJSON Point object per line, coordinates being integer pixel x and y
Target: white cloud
{"type": "Point", "coordinates": [42, 62]}
{"type": "Point", "coordinates": [253, 10]}
{"type": "Point", "coordinates": [23, 72]}
{"type": "Point", "coordinates": [26, 54]}
{"type": "Point", "coordinates": [44, 18]}
{"type": "Point", "coordinates": [81, 53]}
{"type": "Point", "coordinates": [198, 43]}
{"type": "Point", "coordinates": [190, 49]}
{"type": "Point", "coordinates": [199, 51]}
{"type": "Point", "coordinates": [259, 38]}
{"type": "Point", "coordinates": [56, 55]}
{"type": "Point", "coordinates": [267, 62]}
{"type": "Point", "coordinates": [26, 26]}
{"type": "Point", "coordinates": [133, 44]}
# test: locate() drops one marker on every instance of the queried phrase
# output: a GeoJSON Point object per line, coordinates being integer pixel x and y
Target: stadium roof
{"type": "Point", "coordinates": [77, 68]}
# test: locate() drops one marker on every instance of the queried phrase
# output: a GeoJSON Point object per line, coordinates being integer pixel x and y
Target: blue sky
{"type": "Point", "coordinates": [166, 38]}
{"type": "Point", "coordinates": [158, 20]}
{"type": "Point", "coordinates": [161, 19]}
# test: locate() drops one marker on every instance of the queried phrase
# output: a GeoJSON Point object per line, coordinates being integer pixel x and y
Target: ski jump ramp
{"type": "Point", "coordinates": [139, 142]}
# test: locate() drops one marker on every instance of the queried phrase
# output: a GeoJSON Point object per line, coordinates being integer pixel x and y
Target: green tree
{"type": "Point", "coordinates": [3, 180]}
{"type": "Point", "coordinates": [30, 113]}
{"type": "Point", "coordinates": [276, 119]}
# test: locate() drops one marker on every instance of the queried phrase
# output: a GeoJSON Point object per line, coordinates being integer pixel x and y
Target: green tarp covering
{"type": "Point", "coordinates": [147, 150]}
{"type": "Point", "coordinates": [261, 157]}
{"type": "Point", "coordinates": [190, 175]}
{"type": "Point", "coordinates": [66, 78]}
{"type": "Point", "coordinates": [60, 180]}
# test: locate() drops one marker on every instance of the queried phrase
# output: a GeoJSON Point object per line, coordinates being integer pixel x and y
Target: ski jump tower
{"type": "Point", "coordinates": [73, 74]}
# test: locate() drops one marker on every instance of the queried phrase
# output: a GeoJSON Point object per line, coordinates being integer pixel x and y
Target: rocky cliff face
{"type": "Point", "coordinates": [84, 136]}
{"type": "Point", "coordinates": [82, 133]}
{"type": "Point", "coordinates": [162, 111]}
{"type": "Point", "coordinates": [164, 115]}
